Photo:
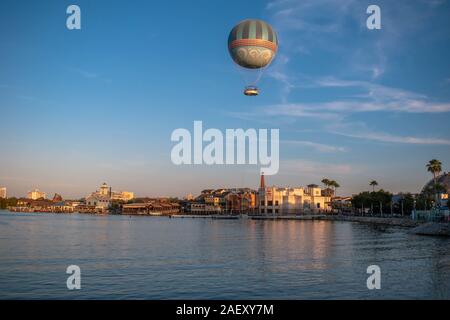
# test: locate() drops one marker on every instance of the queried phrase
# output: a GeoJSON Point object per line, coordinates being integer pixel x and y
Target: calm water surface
{"type": "Point", "coordinates": [125, 257]}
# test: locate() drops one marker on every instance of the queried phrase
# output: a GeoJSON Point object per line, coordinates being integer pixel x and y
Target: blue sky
{"type": "Point", "coordinates": [99, 104]}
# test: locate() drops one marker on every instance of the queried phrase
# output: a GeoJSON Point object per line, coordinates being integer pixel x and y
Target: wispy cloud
{"type": "Point", "coordinates": [302, 166]}
{"type": "Point", "coordinates": [385, 137]}
{"type": "Point", "coordinates": [85, 73]}
{"type": "Point", "coordinates": [325, 27]}
{"type": "Point", "coordinates": [446, 82]}
{"type": "Point", "coordinates": [360, 130]}
{"type": "Point", "coordinates": [316, 109]}
{"type": "Point", "coordinates": [279, 73]}
{"type": "Point", "coordinates": [314, 145]}
{"type": "Point", "coordinates": [27, 98]}
{"type": "Point", "coordinates": [299, 110]}
{"type": "Point", "coordinates": [89, 74]}
{"type": "Point", "coordinates": [371, 98]}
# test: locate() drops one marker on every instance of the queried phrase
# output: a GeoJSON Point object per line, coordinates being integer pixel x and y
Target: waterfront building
{"type": "Point", "coordinates": [122, 195]}
{"type": "Point", "coordinates": [197, 208]}
{"type": "Point", "coordinates": [106, 191]}
{"type": "Point", "coordinates": [43, 205]}
{"type": "Point", "coordinates": [135, 208]}
{"type": "Point", "coordinates": [287, 200]}
{"type": "Point", "coordinates": [189, 197]}
{"type": "Point", "coordinates": [225, 200]}
{"type": "Point", "coordinates": [3, 193]}
{"type": "Point", "coordinates": [99, 201]}
{"type": "Point", "coordinates": [74, 204]}
{"type": "Point", "coordinates": [30, 205]}
{"type": "Point", "coordinates": [61, 207]}
{"type": "Point", "coordinates": [241, 201]}
{"type": "Point", "coordinates": [342, 204]}
{"type": "Point", "coordinates": [203, 208]}
{"type": "Point", "coordinates": [36, 194]}
{"type": "Point", "coordinates": [328, 192]}
{"type": "Point", "coordinates": [152, 207]}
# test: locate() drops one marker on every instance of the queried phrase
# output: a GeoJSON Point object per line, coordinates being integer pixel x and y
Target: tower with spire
{"type": "Point", "coordinates": [262, 183]}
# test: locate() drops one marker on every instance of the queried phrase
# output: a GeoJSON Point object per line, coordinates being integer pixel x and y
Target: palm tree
{"type": "Point", "coordinates": [435, 167]}
{"type": "Point", "coordinates": [373, 183]}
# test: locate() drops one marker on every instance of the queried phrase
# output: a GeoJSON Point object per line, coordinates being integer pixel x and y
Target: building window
{"type": "Point", "coordinates": [318, 205]}
{"type": "Point", "coordinates": [262, 203]}
{"type": "Point", "coordinates": [269, 210]}
{"type": "Point", "coordinates": [276, 202]}
{"type": "Point", "coordinates": [270, 203]}
{"type": "Point", "coordinates": [276, 210]}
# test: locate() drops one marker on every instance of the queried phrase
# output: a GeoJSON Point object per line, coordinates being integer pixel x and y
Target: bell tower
{"type": "Point", "coordinates": [262, 183]}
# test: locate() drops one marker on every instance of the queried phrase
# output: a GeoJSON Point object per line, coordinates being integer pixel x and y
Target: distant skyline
{"type": "Point", "coordinates": [79, 108]}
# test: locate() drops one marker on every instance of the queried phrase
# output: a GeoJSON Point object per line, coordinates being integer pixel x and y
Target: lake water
{"type": "Point", "coordinates": [124, 257]}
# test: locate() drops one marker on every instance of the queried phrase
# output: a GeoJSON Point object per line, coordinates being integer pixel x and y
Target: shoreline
{"type": "Point", "coordinates": [392, 221]}
{"type": "Point", "coordinates": [398, 222]}
{"type": "Point", "coordinates": [415, 227]}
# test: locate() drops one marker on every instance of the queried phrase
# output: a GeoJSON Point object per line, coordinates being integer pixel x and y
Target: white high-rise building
{"type": "Point", "coordinates": [3, 192]}
{"type": "Point", "coordinates": [36, 194]}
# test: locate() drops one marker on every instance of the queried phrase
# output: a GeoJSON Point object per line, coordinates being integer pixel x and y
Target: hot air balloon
{"type": "Point", "coordinates": [252, 45]}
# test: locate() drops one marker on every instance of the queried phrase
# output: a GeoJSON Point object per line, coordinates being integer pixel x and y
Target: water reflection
{"type": "Point", "coordinates": [160, 258]}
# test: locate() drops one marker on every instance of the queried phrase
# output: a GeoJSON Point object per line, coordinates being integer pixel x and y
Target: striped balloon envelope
{"type": "Point", "coordinates": [252, 44]}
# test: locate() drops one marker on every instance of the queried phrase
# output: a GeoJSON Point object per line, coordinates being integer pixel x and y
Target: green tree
{"type": "Point", "coordinates": [373, 183]}
{"type": "Point", "coordinates": [378, 200]}
{"type": "Point", "coordinates": [335, 185]}
{"type": "Point", "coordinates": [425, 199]}
{"type": "Point", "coordinates": [8, 202]}
{"type": "Point", "coordinates": [435, 167]}
{"type": "Point", "coordinates": [407, 202]}
{"type": "Point", "coordinates": [326, 182]}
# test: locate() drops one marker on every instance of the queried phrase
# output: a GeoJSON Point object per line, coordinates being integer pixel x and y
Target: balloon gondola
{"type": "Point", "coordinates": [251, 91]}
{"type": "Point", "coordinates": [252, 45]}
